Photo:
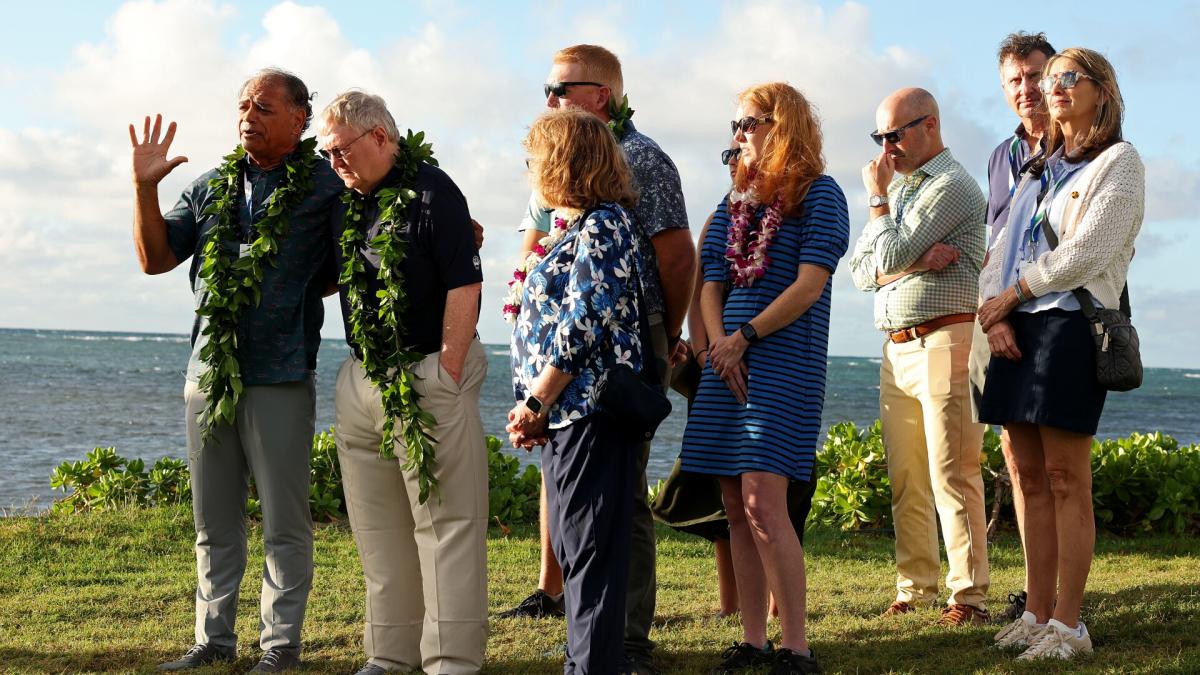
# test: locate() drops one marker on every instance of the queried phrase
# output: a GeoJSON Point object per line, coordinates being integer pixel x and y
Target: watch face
{"type": "Point", "coordinates": [877, 201]}
{"type": "Point", "coordinates": [748, 332]}
{"type": "Point", "coordinates": [533, 404]}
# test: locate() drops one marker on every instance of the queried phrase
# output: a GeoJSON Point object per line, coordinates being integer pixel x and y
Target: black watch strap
{"type": "Point", "coordinates": [748, 332]}
{"type": "Point", "coordinates": [534, 404]}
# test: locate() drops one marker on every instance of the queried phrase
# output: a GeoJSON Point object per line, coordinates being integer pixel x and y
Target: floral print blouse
{"type": "Point", "coordinates": [579, 311]}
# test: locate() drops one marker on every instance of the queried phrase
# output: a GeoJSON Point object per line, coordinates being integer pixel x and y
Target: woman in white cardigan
{"type": "Point", "coordinates": [1089, 189]}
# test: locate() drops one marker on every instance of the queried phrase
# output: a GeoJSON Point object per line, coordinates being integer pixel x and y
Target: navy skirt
{"type": "Point", "coordinates": [1054, 383]}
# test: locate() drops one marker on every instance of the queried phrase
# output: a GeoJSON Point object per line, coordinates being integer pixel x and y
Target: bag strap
{"type": "Point", "coordinates": [1085, 299]}
{"type": "Point", "coordinates": [649, 362]}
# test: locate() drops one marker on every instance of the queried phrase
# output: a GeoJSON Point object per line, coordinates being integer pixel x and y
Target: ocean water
{"type": "Point", "coordinates": [64, 392]}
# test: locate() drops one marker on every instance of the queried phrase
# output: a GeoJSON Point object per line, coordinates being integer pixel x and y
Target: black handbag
{"type": "Point", "coordinates": [1118, 349]}
{"type": "Point", "coordinates": [636, 401]}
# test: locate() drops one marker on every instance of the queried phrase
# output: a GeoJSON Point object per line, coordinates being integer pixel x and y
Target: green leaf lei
{"type": "Point", "coordinates": [233, 281]}
{"type": "Point", "coordinates": [619, 114]}
{"type": "Point", "coordinates": [378, 334]}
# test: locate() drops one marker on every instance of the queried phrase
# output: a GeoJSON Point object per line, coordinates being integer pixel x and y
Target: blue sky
{"type": "Point", "coordinates": [73, 74]}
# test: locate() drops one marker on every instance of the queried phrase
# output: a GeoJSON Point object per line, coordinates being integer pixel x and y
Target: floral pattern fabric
{"type": "Point", "coordinates": [580, 311]}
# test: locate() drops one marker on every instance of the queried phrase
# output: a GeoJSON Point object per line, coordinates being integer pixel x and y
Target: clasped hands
{"type": "Point", "coordinates": [1002, 340]}
{"type": "Point", "coordinates": [726, 356]}
{"type": "Point", "coordinates": [526, 429]}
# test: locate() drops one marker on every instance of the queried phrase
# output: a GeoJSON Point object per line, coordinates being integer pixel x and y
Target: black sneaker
{"type": "Point", "coordinates": [631, 665]}
{"type": "Point", "coordinates": [788, 662]}
{"type": "Point", "coordinates": [276, 660]}
{"type": "Point", "coordinates": [538, 605]}
{"type": "Point", "coordinates": [742, 656]}
{"type": "Point", "coordinates": [1016, 607]}
{"type": "Point", "coordinates": [200, 655]}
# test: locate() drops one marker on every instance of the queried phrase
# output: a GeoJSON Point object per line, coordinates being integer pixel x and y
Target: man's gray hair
{"type": "Point", "coordinates": [297, 92]}
{"type": "Point", "coordinates": [360, 111]}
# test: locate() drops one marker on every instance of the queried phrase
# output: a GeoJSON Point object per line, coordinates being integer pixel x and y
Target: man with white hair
{"type": "Point", "coordinates": [410, 285]}
{"type": "Point", "coordinates": [256, 229]}
{"type": "Point", "coordinates": [920, 254]}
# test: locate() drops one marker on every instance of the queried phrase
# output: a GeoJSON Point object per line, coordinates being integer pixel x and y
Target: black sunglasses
{"type": "Point", "coordinates": [559, 89]}
{"type": "Point", "coordinates": [748, 124]}
{"type": "Point", "coordinates": [895, 135]}
{"type": "Point", "coordinates": [730, 155]}
{"type": "Point", "coordinates": [342, 152]}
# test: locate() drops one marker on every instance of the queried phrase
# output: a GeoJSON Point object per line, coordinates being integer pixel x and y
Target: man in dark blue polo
{"type": "Point", "coordinates": [1022, 58]}
{"type": "Point", "coordinates": [270, 436]}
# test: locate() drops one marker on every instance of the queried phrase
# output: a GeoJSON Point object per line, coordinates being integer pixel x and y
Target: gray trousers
{"type": "Point", "coordinates": [271, 439]}
{"type": "Point", "coordinates": [640, 592]}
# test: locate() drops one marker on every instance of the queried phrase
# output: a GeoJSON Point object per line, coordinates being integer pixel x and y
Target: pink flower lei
{"type": "Point", "coordinates": [516, 286]}
{"type": "Point", "coordinates": [745, 244]}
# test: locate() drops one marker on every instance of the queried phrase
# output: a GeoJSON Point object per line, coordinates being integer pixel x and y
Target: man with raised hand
{"type": "Point", "coordinates": [920, 254]}
{"type": "Point", "coordinates": [1022, 59]}
{"type": "Point", "coordinates": [416, 487]}
{"type": "Point", "coordinates": [256, 230]}
{"type": "Point", "coordinates": [589, 77]}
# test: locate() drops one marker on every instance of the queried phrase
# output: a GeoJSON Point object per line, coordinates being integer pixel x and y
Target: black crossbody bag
{"type": "Point", "coordinates": [1118, 349]}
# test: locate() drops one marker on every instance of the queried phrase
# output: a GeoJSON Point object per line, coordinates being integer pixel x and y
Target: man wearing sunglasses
{"type": "Point", "coordinates": [589, 77]}
{"type": "Point", "coordinates": [1022, 59]}
{"type": "Point", "coordinates": [271, 437]}
{"type": "Point", "coordinates": [920, 254]}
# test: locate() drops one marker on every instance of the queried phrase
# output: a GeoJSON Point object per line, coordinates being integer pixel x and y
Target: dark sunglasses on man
{"type": "Point", "coordinates": [730, 155]}
{"type": "Point", "coordinates": [748, 124]}
{"type": "Point", "coordinates": [559, 89]}
{"type": "Point", "coordinates": [895, 135]}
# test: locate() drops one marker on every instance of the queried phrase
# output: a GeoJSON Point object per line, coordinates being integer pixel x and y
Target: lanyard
{"type": "Point", "coordinates": [904, 197]}
{"type": "Point", "coordinates": [1046, 195]}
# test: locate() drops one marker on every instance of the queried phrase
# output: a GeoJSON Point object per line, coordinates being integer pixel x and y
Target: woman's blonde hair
{"type": "Point", "coordinates": [1110, 109]}
{"type": "Point", "coordinates": [576, 162]}
{"type": "Point", "coordinates": [792, 157]}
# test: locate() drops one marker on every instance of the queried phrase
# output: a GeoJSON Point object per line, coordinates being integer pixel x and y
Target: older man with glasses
{"type": "Point", "coordinates": [920, 254]}
{"type": "Point", "coordinates": [422, 545]}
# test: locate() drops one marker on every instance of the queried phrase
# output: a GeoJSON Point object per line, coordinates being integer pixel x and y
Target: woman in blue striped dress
{"type": "Point", "coordinates": [768, 258]}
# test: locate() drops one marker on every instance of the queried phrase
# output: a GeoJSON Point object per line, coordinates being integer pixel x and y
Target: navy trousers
{"type": "Point", "coordinates": [590, 468]}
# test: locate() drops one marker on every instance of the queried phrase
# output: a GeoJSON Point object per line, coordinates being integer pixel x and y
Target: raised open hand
{"type": "Point", "coordinates": [150, 163]}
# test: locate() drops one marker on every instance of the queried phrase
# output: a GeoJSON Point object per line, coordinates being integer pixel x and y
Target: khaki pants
{"type": "Point", "coordinates": [425, 564]}
{"type": "Point", "coordinates": [933, 448]}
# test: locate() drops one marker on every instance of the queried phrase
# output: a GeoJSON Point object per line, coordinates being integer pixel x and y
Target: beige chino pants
{"type": "Point", "coordinates": [933, 448]}
{"type": "Point", "coordinates": [425, 564]}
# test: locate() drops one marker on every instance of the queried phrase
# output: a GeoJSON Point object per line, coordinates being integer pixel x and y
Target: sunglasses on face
{"type": "Point", "coordinates": [729, 156]}
{"type": "Point", "coordinates": [748, 124]}
{"type": "Point", "coordinates": [895, 135]}
{"type": "Point", "coordinates": [559, 89]}
{"type": "Point", "coordinates": [341, 153]}
{"type": "Point", "coordinates": [1067, 79]}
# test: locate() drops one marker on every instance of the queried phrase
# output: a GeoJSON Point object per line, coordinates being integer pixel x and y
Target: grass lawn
{"type": "Point", "coordinates": [113, 592]}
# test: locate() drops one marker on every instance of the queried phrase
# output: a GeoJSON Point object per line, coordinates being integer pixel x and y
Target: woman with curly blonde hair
{"type": "Point", "coordinates": [774, 244]}
{"type": "Point", "coordinates": [576, 305]}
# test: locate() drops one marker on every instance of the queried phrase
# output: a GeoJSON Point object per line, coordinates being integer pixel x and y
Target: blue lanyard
{"type": "Point", "coordinates": [1033, 233]}
{"type": "Point", "coordinates": [903, 196]}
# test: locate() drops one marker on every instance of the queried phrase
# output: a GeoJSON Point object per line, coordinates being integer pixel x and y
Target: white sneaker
{"type": "Point", "coordinates": [1021, 633]}
{"type": "Point", "coordinates": [1058, 641]}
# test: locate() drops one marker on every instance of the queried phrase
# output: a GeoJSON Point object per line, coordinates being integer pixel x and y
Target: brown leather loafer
{"type": "Point", "coordinates": [897, 608]}
{"type": "Point", "coordinates": [963, 615]}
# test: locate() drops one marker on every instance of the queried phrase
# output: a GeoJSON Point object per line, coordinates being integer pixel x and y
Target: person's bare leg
{"type": "Point", "coordinates": [1018, 498]}
{"type": "Point", "coordinates": [765, 496]}
{"type": "Point", "coordinates": [1069, 468]}
{"type": "Point", "coordinates": [726, 581]}
{"type": "Point", "coordinates": [747, 568]}
{"type": "Point", "coordinates": [550, 577]}
{"type": "Point", "coordinates": [1039, 537]}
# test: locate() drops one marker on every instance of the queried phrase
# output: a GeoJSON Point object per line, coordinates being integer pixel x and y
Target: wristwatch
{"type": "Point", "coordinates": [748, 332]}
{"type": "Point", "coordinates": [534, 404]}
{"type": "Point", "coordinates": [877, 201]}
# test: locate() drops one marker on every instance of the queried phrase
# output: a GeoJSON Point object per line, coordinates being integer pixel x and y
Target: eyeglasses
{"type": "Point", "coordinates": [559, 89]}
{"type": "Point", "coordinates": [341, 153]}
{"type": "Point", "coordinates": [748, 124]}
{"type": "Point", "coordinates": [895, 135]}
{"type": "Point", "coordinates": [1067, 79]}
{"type": "Point", "coordinates": [729, 156]}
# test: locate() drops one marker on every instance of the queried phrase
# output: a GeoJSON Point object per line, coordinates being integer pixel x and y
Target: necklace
{"type": "Point", "coordinates": [233, 274]}
{"type": "Point", "coordinates": [746, 242]}
{"type": "Point", "coordinates": [516, 286]}
{"type": "Point", "coordinates": [377, 329]}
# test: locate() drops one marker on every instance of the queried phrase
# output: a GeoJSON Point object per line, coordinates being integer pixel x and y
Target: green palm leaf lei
{"type": "Point", "coordinates": [233, 280]}
{"type": "Point", "coordinates": [378, 333]}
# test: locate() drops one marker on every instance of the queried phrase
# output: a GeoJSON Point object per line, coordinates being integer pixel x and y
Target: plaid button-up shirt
{"type": "Point", "coordinates": [939, 202]}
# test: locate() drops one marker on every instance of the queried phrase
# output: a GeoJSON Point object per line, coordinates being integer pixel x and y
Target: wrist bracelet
{"type": "Point", "coordinates": [1020, 296]}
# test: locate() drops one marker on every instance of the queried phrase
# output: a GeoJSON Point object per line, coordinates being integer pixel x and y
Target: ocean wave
{"type": "Point", "coordinates": [127, 338]}
{"type": "Point", "coordinates": [1192, 376]}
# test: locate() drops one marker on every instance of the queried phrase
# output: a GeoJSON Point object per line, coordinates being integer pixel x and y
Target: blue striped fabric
{"type": "Point", "coordinates": [776, 431]}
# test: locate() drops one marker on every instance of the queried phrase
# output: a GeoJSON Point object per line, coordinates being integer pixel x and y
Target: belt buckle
{"type": "Point", "coordinates": [912, 333]}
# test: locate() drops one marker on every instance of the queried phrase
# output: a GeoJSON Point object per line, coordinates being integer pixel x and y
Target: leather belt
{"type": "Point", "coordinates": [922, 329]}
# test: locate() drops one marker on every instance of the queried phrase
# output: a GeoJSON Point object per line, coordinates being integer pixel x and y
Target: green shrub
{"type": "Point", "coordinates": [853, 490]}
{"type": "Point", "coordinates": [512, 494]}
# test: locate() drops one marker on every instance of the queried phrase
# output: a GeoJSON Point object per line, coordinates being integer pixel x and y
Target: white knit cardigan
{"type": "Point", "coordinates": [1096, 233]}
